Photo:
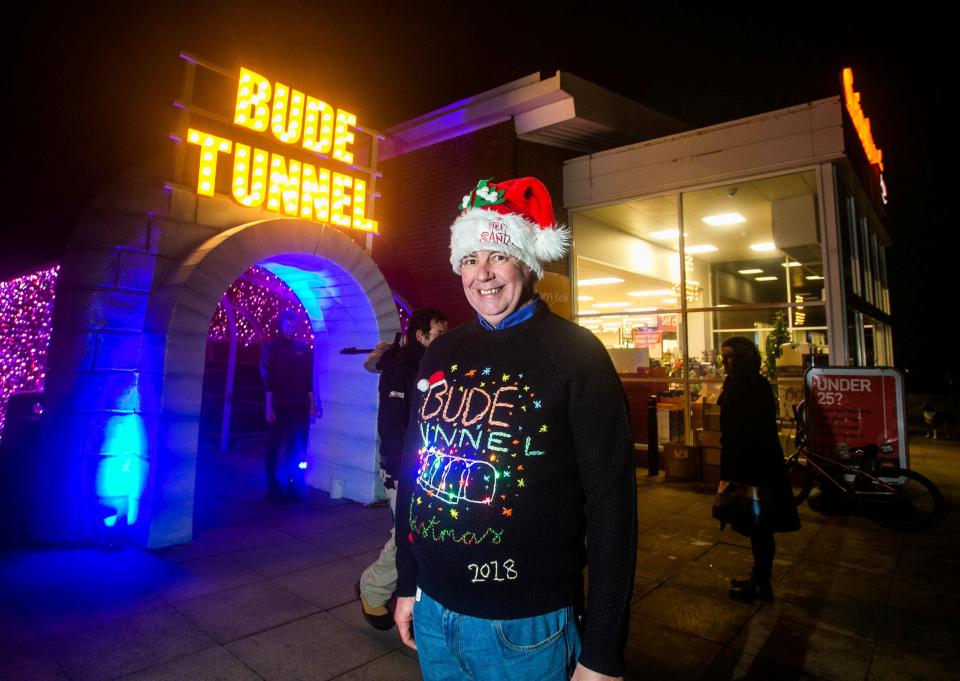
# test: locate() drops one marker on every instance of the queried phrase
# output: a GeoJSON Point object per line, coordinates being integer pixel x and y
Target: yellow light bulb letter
{"type": "Point", "coordinates": [339, 214]}
{"type": "Point", "coordinates": [360, 221]}
{"type": "Point", "coordinates": [287, 117]}
{"type": "Point", "coordinates": [210, 146]}
{"type": "Point", "coordinates": [342, 136]}
{"type": "Point", "coordinates": [314, 193]}
{"type": "Point", "coordinates": [284, 193]}
{"type": "Point", "coordinates": [318, 126]}
{"type": "Point", "coordinates": [253, 93]}
{"type": "Point", "coordinates": [249, 176]}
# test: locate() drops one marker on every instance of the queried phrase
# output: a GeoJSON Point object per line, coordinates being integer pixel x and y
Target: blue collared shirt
{"type": "Point", "coordinates": [516, 317]}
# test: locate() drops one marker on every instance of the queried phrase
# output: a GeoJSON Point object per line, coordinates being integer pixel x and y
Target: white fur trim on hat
{"type": "Point", "coordinates": [478, 229]}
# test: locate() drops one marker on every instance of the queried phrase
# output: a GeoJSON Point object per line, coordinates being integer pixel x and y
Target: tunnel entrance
{"type": "Point", "coordinates": [334, 320]}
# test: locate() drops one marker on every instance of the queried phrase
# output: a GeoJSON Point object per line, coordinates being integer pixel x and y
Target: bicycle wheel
{"type": "Point", "coordinates": [801, 481]}
{"type": "Point", "coordinates": [915, 505]}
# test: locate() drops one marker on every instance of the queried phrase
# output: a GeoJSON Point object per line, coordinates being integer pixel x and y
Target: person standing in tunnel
{"type": "Point", "coordinates": [287, 369]}
{"type": "Point", "coordinates": [398, 377]}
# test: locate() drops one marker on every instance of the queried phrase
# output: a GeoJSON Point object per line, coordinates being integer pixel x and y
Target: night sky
{"type": "Point", "coordinates": [92, 85]}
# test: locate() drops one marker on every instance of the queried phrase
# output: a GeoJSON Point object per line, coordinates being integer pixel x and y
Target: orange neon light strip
{"type": "Point", "coordinates": [860, 121]}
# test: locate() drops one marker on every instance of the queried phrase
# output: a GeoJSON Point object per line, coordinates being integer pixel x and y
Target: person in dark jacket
{"type": "Point", "coordinates": [751, 454]}
{"type": "Point", "coordinates": [398, 368]}
{"type": "Point", "coordinates": [287, 369]}
{"type": "Point", "coordinates": [518, 470]}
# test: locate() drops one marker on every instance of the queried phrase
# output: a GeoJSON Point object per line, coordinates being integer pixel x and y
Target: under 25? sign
{"type": "Point", "coordinates": [849, 408]}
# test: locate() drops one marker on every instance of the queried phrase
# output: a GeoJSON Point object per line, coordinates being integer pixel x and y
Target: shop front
{"type": "Point", "coordinates": [761, 227]}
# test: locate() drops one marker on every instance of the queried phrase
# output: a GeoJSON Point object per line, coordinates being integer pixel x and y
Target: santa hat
{"type": "Point", "coordinates": [513, 216]}
{"type": "Point", "coordinates": [436, 378]}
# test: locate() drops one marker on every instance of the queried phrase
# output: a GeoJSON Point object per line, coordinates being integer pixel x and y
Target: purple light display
{"type": "Point", "coordinates": [257, 297]}
{"type": "Point", "coordinates": [26, 310]}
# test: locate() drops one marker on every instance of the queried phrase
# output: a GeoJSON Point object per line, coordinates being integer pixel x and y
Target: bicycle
{"type": "Point", "coordinates": [894, 497]}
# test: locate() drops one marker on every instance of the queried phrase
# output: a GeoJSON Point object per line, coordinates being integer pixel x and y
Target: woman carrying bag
{"type": "Point", "coordinates": [757, 499]}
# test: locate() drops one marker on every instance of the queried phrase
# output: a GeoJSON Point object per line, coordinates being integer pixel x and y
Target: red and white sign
{"type": "Point", "coordinates": [644, 338]}
{"type": "Point", "coordinates": [850, 408]}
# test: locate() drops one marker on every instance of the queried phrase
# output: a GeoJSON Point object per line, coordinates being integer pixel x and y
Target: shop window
{"type": "Point", "coordinates": [850, 230]}
{"type": "Point", "coordinates": [752, 243]}
{"type": "Point", "coordinates": [866, 259]}
{"type": "Point", "coordinates": [627, 263]}
{"type": "Point", "coordinates": [748, 262]}
{"type": "Point", "coordinates": [883, 345]}
{"type": "Point", "coordinates": [884, 282]}
{"type": "Point", "coordinates": [877, 278]}
{"type": "Point", "coordinates": [855, 339]}
{"type": "Point", "coordinates": [769, 328]}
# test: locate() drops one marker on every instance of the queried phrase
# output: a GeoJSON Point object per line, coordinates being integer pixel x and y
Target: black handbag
{"type": "Point", "coordinates": [741, 506]}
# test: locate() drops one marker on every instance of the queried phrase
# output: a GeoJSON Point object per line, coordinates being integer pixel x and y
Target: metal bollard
{"type": "Point", "coordinates": [653, 445]}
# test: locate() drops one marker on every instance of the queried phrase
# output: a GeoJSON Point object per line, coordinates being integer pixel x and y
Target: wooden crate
{"type": "Point", "coordinates": [711, 456]}
{"type": "Point", "coordinates": [682, 461]}
{"type": "Point", "coordinates": [708, 438]}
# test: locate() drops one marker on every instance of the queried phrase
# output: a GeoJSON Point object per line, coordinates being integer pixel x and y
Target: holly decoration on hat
{"type": "Point", "coordinates": [484, 194]}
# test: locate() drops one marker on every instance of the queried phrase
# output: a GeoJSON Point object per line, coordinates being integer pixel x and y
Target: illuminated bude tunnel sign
{"type": "Point", "coordinates": [861, 123]}
{"type": "Point", "coordinates": [280, 183]}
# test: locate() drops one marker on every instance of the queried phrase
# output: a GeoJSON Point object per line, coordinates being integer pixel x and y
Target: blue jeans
{"type": "Point", "coordinates": [454, 647]}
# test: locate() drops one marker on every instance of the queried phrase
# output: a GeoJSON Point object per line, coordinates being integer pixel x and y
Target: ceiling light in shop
{"type": "Point", "coordinates": [665, 234]}
{"type": "Point", "coordinates": [792, 263]}
{"type": "Point", "coordinates": [765, 278]}
{"type": "Point", "coordinates": [763, 246]}
{"type": "Point", "coordinates": [600, 306]}
{"type": "Point", "coordinates": [750, 271]}
{"type": "Point", "coordinates": [599, 281]}
{"type": "Point", "coordinates": [724, 219]}
{"type": "Point", "coordinates": [641, 309]}
{"type": "Point", "coordinates": [702, 248]}
{"type": "Point", "coordinates": [584, 298]}
{"type": "Point", "coordinates": [649, 294]}
{"type": "Point", "coordinates": [670, 301]}
{"type": "Point", "coordinates": [814, 277]}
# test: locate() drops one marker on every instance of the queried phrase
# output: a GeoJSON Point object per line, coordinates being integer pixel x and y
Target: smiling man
{"type": "Point", "coordinates": [517, 470]}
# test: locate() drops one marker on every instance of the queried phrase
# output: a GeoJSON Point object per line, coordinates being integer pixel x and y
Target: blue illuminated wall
{"type": "Point", "coordinates": [343, 442]}
{"type": "Point", "coordinates": [137, 290]}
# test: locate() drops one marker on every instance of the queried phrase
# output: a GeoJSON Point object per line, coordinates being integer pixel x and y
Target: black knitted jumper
{"type": "Point", "coordinates": [517, 472]}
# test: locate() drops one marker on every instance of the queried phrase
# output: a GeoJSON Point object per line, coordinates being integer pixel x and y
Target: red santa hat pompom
{"type": "Point", "coordinates": [513, 216]}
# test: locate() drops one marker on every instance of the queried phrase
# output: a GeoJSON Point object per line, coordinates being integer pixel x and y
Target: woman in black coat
{"type": "Point", "coordinates": [751, 454]}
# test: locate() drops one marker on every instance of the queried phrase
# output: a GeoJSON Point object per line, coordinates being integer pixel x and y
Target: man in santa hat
{"type": "Point", "coordinates": [517, 470]}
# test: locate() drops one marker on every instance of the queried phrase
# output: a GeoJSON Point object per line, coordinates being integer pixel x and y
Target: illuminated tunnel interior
{"type": "Point", "coordinates": [333, 313]}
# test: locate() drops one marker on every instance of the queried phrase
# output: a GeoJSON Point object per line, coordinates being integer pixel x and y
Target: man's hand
{"type": "Point", "coordinates": [271, 415]}
{"type": "Point", "coordinates": [583, 674]}
{"type": "Point", "coordinates": [403, 616]}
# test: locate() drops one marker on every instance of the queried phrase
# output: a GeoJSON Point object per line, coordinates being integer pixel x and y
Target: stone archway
{"type": "Point", "coordinates": [314, 260]}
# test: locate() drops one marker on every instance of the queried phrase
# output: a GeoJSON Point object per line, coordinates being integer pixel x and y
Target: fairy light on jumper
{"type": "Point", "coordinates": [26, 311]}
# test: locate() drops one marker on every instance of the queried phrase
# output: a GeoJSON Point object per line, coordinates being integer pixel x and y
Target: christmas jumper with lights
{"type": "Point", "coordinates": [518, 471]}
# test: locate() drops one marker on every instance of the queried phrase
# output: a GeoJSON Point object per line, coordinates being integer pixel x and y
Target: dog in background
{"type": "Point", "coordinates": [938, 421]}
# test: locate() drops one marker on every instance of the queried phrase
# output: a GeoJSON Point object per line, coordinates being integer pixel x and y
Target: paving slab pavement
{"type": "Point", "coordinates": [268, 594]}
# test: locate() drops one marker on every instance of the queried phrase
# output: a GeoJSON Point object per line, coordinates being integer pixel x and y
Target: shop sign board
{"type": "Point", "coordinates": [554, 290]}
{"type": "Point", "coordinates": [292, 153]}
{"type": "Point", "coordinates": [849, 408]}
{"type": "Point", "coordinates": [861, 124]}
{"type": "Point", "coordinates": [645, 337]}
